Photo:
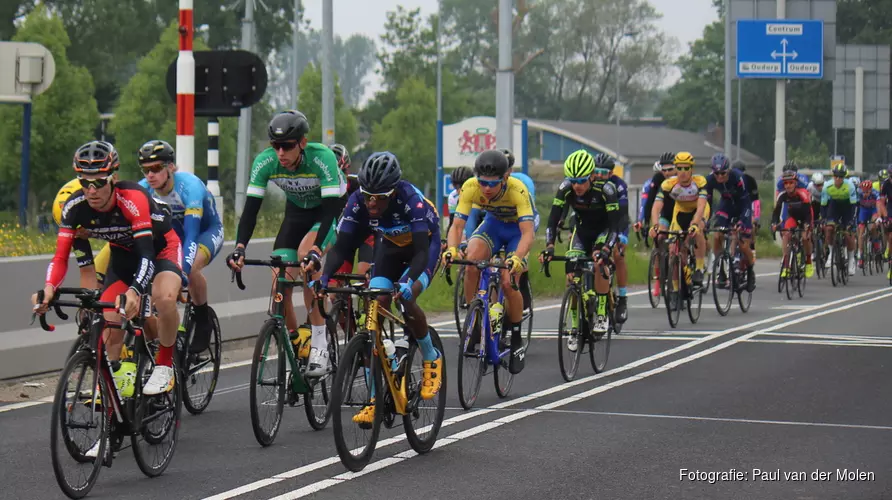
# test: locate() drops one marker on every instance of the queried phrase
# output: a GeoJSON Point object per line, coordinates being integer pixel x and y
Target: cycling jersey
{"type": "Point", "coordinates": [838, 203]}
{"type": "Point", "coordinates": [816, 196]}
{"type": "Point", "coordinates": [734, 201]}
{"type": "Point", "coordinates": [886, 196]}
{"type": "Point", "coordinates": [512, 204]}
{"type": "Point", "coordinates": [798, 205]}
{"type": "Point", "coordinates": [656, 183]}
{"type": "Point", "coordinates": [867, 205]}
{"type": "Point", "coordinates": [194, 216]}
{"type": "Point", "coordinates": [452, 201]}
{"type": "Point", "coordinates": [136, 223]}
{"type": "Point", "coordinates": [685, 196]}
{"type": "Point", "coordinates": [643, 216]}
{"type": "Point", "coordinates": [83, 252]}
{"type": "Point", "coordinates": [527, 181]}
{"type": "Point", "coordinates": [595, 210]}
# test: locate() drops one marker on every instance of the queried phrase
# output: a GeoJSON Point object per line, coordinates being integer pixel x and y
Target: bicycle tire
{"type": "Point", "coordinates": [569, 370]}
{"type": "Point", "coordinates": [78, 360]}
{"type": "Point", "coordinates": [352, 361]}
{"type": "Point", "coordinates": [652, 276]}
{"type": "Point", "coordinates": [844, 267]}
{"type": "Point", "coordinates": [600, 344]}
{"type": "Point", "coordinates": [865, 253]}
{"type": "Point", "coordinates": [834, 266]}
{"type": "Point", "coordinates": [502, 379]}
{"type": "Point", "coordinates": [780, 277]}
{"type": "Point", "coordinates": [261, 349]}
{"type": "Point", "coordinates": [323, 385]}
{"type": "Point", "coordinates": [723, 263]}
{"type": "Point", "coordinates": [467, 400]}
{"type": "Point", "coordinates": [674, 313]}
{"type": "Point", "coordinates": [417, 443]}
{"type": "Point", "coordinates": [144, 404]}
{"type": "Point", "coordinates": [801, 279]}
{"type": "Point", "coordinates": [528, 318]}
{"type": "Point", "coordinates": [791, 271]}
{"type": "Point", "coordinates": [215, 348]}
{"type": "Point", "coordinates": [458, 297]}
{"type": "Point", "coordinates": [694, 297]}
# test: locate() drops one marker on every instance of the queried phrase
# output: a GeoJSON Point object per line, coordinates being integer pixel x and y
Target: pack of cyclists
{"type": "Point", "coordinates": [163, 231]}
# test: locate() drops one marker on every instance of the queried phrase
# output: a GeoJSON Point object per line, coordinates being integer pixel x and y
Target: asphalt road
{"type": "Point", "coordinates": [26, 349]}
{"type": "Point", "coordinates": [793, 386]}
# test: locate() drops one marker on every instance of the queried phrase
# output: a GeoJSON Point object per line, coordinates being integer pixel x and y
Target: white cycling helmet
{"type": "Point", "coordinates": [817, 178]}
{"type": "Point", "coordinates": [657, 166]}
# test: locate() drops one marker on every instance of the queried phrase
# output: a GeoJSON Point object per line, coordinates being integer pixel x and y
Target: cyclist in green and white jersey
{"type": "Point", "coordinates": [308, 173]}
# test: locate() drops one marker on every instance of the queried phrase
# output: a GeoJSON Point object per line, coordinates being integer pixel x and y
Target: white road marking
{"type": "Point", "coordinates": [307, 490]}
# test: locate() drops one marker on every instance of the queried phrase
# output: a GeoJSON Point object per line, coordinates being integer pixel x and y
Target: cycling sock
{"type": "Point", "coordinates": [428, 353]}
{"type": "Point", "coordinates": [622, 291]}
{"type": "Point", "coordinates": [319, 339]}
{"type": "Point", "coordinates": [371, 382]}
{"type": "Point", "coordinates": [164, 356]}
{"type": "Point", "coordinates": [700, 263]}
{"type": "Point", "coordinates": [602, 304]}
{"type": "Point", "coordinates": [201, 311]}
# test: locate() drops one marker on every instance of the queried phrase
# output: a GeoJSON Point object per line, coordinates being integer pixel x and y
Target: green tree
{"type": "Point", "coordinates": [310, 103]}
{"type": "Point", "coordinates": [63, 117]}
{"type": "Point", "coordinates": [409, 131]}
{"type": "Point", "coordinates": [146, 111]}
{"type": "Point", "coordinates": [812, 152]}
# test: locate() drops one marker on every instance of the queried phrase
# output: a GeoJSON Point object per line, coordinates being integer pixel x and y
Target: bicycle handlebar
{"type": "Point", "coordinates": [479, 264]}
{"type": "Point", "coordinates": [274, 261]}
{"type": "Point", "coordinates": [87, 298]}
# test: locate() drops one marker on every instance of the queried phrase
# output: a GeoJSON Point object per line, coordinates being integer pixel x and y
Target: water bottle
{"type": "Point", "coordinates": [389, 350]}
{"type": "Point", "coordinates": [402, 348]}
{"type": "Point", "coordinates": [495, 316]}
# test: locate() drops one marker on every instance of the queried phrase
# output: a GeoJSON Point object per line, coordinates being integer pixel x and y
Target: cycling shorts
{"type": "Point", "coordinates": [866, 214]}
{"type": "Point", "coordinates": [210, 242]}
{"type": "Point", "coordinates": [500, 235]}
{"type": "Point", "coordinates": [584, 242]}
{"type": "Point", "coordinates": [681, 221]}
{"type": "Point", "coordinates": [124, 264]}
{"type": "Point", "coordinates": [297, 223]}
{"type": "Point", "coordinates": [392, 263]}
{"type": "Point", "coordinates": [728, 210]}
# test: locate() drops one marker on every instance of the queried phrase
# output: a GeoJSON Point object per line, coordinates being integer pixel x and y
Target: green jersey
{"type": "Point", "coordinates": [317, 176]}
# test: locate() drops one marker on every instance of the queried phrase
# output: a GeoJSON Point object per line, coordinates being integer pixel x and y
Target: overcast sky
{"type": "Point", "coordinates": [682, 19]}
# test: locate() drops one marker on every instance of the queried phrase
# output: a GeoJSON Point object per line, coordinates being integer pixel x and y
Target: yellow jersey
{"type": "Point", "coordinates": [82, 251]}
{"type": "Point", "coordinates": [512, 204]}
{"type": "Point", "coordinates": [62, 196]}
{"type": "Point", "coordinates": [685, 196]}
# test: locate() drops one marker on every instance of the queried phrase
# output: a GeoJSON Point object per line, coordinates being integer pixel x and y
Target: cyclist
{"type": "Point", "coordinates": [799, 209]}
{"type": "Point", "coordinates": [509, 224]}
{"type": "Point", "coordinates": [734, 204]}
{"type": "Point", "coordinates": [308, 173]}
{"type": "Point", "coordinates": [195, 219]}
{"type": "Point", "coordinates": [366, 249]}
{"type": "Point", "coordinates": [598, 223]}
{"type": "Point", "coordinates": [885, 209]}
{"type": "Point", "coordinates": [838, 203]}
{"type": "Point", "coordinates": [605, 161]}
{"type": "Point", "coordinates": [882, 175]}
{"type": "Point", "coordinates": [144, 249]}
{"type": "Point", "coordinates": [691, 208]}
{"type": "Point", "coordinates": [91, 268]}
{"type": "Point", "coordinates": [666, 171]}
{"type": "Point", "coordinates": [407, 253]}
{"type": "Point", "coordinates": [867, 212]}
{"type": "Point", "coordinates": [458, 178]}
{"type": "Point", "coordinates": [816, 192]}
{"type": "Point", "coordinates": [643, 216]}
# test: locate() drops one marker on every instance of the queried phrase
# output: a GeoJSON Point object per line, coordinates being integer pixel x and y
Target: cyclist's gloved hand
{"type": "Point", "coordinates": [449, 254]}
{"type": "Point", "coordinates": [604, 254]}
{"type": "Point", "coordinates": [236, 259]}
{"type": "Point", "coordinates": [406, 289]}
{"type": "Point", "coordinates": [312, 261]}
{"type": "Point", "coordinates": [546, 254]}
{"type": "Point", "coordinates": [514, 263]}
{"type": "Point", "coordinates": [694, 229]}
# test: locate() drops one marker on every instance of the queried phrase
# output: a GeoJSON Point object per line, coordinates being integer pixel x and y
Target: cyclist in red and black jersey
{"type": "Point", "coordinates": [145, 250]}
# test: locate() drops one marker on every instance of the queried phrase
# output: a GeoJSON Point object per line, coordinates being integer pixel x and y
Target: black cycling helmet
{"type": "Point", "coordinates": [342, 155]}
{"type": "Point", "coordinates": [508, 154]}
{"type": "Point", "coordinates": [791, 165]}
{"type": "Point", "coordinates": [667, 158]}
{"type": "Point", "coordinates": [380, 173]}
{"type": "Point", "coordinates": [604, 160]}
{"type": "Point", "coordinates": [156, 150]}
{"type": "Point", "coordinates": [460, 175]}
{"type": "Point", "coordinates": [289, 125]}
{"type": "Point", "coordinates": [96, 157]}
{"type": "Point", "coordinates": [491, 162]}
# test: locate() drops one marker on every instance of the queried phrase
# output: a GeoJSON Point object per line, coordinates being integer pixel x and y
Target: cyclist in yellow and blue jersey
{"type": "Point", "coordinates": [691, 207]}
{"type": "Point", "coordinates": [509, 224]}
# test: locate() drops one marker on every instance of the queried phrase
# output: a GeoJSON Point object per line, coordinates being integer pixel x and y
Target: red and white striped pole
{"type": "Point", "coordinates": [186, 92]}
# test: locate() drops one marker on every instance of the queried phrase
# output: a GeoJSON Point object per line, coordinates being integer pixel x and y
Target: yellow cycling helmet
{"type": "Point", "coordinates": [579, 164]}
{"type": "Point", "coordinates": [683, 158]}
{"type": "Point", "coordinates": [61, 197]}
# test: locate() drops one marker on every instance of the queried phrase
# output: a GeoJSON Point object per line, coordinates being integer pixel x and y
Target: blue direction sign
{"type": "Point", "coordinates": [780, 48]}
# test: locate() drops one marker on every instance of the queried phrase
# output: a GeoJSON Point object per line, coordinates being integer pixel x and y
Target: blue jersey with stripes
{"type": "Point", "coordinates": [408, 212]}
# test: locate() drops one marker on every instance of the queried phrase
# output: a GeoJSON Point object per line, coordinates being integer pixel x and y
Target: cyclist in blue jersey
{"type": "Point", "coordinates": [195, 220]}
{"type": "Point", "coordinates": [407, 252]}
{"type": "Point", "coordinates": [605, 161]}
{"type": "Point", "coordinates": [734, 203]}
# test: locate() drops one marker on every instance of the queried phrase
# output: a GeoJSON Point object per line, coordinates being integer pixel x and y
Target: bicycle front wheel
{"type": "Point", "coordinates": [599, 351]}
{"type": "Point", "coordinates": [201, 370]}
{"type": "Point", "coordinates": [354, 390]}
{"type": "Point", "coordinates": [318, 398]}
{"type": "Point", "coordinates": [723, 295]}
{"type": "Point", "coordinates": [157, 421]}
{"type": "Point", "coordinates": [423, 422]}
{"type": "Point", "coordinates": [471, 355]}
{"type": "Point", "coordinates": [653, 279]}
{"type": "Point", "coordinates": [673, 297]}
{"type": "Point", "coordinates": [571, 339]}
{"type": "Point", "coordinates": [269, 380]}
{"type": "Point", "coordinates": [77, 427]}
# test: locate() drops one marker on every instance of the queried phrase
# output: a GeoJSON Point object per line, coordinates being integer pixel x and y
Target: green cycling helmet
{"type": "Point", "coordinates": [579, 164]}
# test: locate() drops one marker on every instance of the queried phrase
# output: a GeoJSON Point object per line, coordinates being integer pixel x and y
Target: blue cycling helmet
{"type": "Point", "coordinates": [720, 163]}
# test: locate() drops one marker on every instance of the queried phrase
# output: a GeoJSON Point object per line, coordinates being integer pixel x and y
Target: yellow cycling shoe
{"type": "Point", "coordinates": [432, 378]}
{"type": "Point", "coordinates": [366, 415]}
{"type": "Point", "coordinates": [809, 270]}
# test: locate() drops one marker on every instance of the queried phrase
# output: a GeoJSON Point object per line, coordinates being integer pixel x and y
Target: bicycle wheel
{"type": "Point", "coordinates": [570, 331]}
{"type": "Point", "coordinates": [71, 443]}
{"type": "Point", "coordinates": [843, 266]}
{"type": "Point", "coordinates": [423, 422]}
{"type": "Point", "coordinates": [528, 316]}
{"type": "Point", "coordinates": [354, 387]}
{"type": "Point", "coordinates": [864, 253]}
{"type": "Point", "coordinates": [201, 370]}
{"type": "Point", "coordinates": [599, 350]}
{"type": "Point", "coordinates": [834, 266]}
{"type": "Point", "coordinates": [458, 298]}
{"type": "Point", "coordinates": [789, 280]}
{"type": "Point", "coordinates": [157, 420]}
{"type": "Point", "coordinates": [820, 258]}
{"type": "Point", "coordinates": [653, 279]}
{"type": "Point", "coordinates": [471, 360]}
{"type": "Point", "coordinates": [502, 378]}
{"type": "Point", "coordinates": [673, 287]}
{"type": "Point", "coordinates": [695, 304]}
{"type": "Point", "coordinates": [270, 355]}
{"type": "Point", "coordinates": [780, 277]}
{"type": "Point", "coordinates": [744, 296]}
{"type": "Point", "coordinates": [722, 265]}
{"type": "Point", "coordinates": [317, 400]}
{"type": "Point", "coordinates": [800, 273]}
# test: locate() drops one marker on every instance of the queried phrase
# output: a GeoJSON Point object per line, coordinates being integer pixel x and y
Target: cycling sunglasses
{"type": "Point", "coordinates": [721, 172]}
{"type": "Point", "coordinates": [602, 171]}
{"type": "Point", "coordinates": [489, 184]}
{"type": "Point", "coordinates": [95, 183]}
{"type": "Point", "coordinates": [790, 183]}
{"type": "Point", "coordinates": [577, 180]}
{"type": "Point", "coordinates": [153, 169]}
{"type": "Point", "coordinates": [284, 146]}
{"type": "Point", "coordinates": [684, 169]}
{"type": "Point", "coordinates": [376, 197]}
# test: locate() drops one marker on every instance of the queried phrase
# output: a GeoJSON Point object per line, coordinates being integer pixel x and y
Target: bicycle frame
{"type": "Point", "coordinates": [396, 387]}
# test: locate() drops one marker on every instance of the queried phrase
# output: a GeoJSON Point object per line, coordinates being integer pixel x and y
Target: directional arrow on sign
{"type": "Point", "coordinates": [784, 54]}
